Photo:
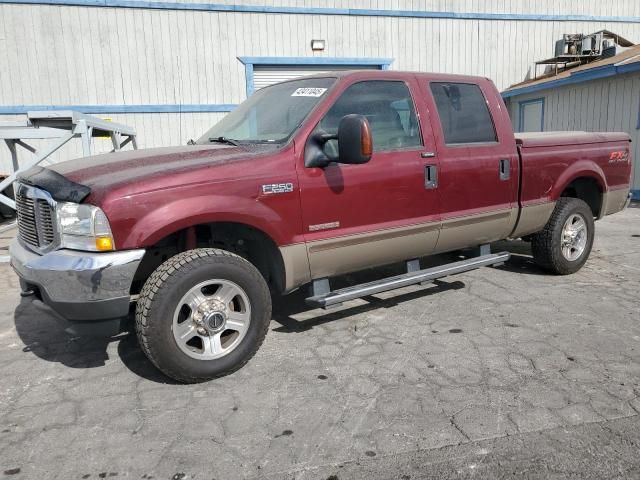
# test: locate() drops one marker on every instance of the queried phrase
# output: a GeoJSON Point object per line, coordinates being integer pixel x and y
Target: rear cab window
{"type": "Point", "coordinates": [464, 113]}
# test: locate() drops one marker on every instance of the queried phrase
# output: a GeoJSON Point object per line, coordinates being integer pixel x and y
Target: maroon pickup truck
{"type": "Point", "coordinates": [306, 180]}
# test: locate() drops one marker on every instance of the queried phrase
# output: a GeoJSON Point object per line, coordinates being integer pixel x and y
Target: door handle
{"type": "Point", "coordinates": [428, 154]}
{"type": "Point", "coordinates": [430, 176]}
{"type": "Point", "coordinates": [505, 169]}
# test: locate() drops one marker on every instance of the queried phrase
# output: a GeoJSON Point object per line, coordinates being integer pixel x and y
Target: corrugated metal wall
{"type": "Point", "coordinates": [69, 55]}
{"type": "Point", "coordinates": [609, 104]}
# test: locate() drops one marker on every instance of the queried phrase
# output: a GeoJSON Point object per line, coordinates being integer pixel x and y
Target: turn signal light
{"type": "Point", "coordinates": [366, 142]}
{"type": "Point", "coordinates": [104, 244]}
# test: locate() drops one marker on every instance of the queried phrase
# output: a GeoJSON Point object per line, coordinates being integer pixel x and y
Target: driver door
{"type": "Point", "coordinates": [361, 216]}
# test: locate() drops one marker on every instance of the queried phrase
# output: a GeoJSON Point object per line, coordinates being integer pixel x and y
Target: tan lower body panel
{"type": "Point", "coordinates": [336, 256]}
{"type": "Point", "coordinates": [533, 218]}
{"type": "Point", "coordinates": [357, 252]}
{"type": "Point", "coordinates": [296, 265]}
{"type": "Point", "coordinates": [614, 200]}
{"type": "Point", "coordinates": [476, 229]}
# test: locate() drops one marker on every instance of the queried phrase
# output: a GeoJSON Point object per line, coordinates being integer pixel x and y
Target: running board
{"type": "Point", "coordinates": [420, 276]}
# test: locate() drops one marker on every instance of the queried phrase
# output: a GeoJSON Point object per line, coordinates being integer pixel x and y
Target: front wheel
{"type": "Point", "coordinates": [202, 314]}
{"type": "Point", "coordinates": [564, 245]}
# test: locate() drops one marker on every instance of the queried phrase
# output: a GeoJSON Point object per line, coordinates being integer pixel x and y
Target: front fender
{"type": "Point", "coordinates": [181, 213]}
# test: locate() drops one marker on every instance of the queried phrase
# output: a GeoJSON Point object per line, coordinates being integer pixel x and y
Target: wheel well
{"type": "Point", "coordinates": [243, 240]}
{"type": "Point", "coordinates": [588, 190]}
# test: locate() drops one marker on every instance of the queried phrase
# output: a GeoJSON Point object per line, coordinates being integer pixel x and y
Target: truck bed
{"type": "Point", "coordinates": [550, 160]}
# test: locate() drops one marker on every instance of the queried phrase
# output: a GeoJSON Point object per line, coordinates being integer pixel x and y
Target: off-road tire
{"type": "Point", "coordinates": [163, 290]}
{"type": "Point", "coordinates": [546, 245]}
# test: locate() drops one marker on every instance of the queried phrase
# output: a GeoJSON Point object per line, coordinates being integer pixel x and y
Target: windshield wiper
{"type": "Point", "coordinates": [229, 141]}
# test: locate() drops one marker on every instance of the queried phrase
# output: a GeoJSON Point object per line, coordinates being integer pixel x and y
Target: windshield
{"type": "Point", "coordinates": [270, 115]}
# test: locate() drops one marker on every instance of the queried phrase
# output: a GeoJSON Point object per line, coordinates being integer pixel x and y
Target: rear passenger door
{"type": "Point", "coordinates": [478, 163]}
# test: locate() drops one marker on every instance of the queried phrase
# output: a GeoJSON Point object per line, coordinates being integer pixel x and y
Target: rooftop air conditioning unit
{"type": "Point", "coordinates": [592, 44]}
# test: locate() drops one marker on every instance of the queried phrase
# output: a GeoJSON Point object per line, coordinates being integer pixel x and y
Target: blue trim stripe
{"type": "Point", "coordinates": [577, 77]}
{"type": "Point", "coordinates": [216, 7]}
{"type": "Point", "coordinates": [635, 194]}
{"type": "Point", "coordinates": [92, 109]}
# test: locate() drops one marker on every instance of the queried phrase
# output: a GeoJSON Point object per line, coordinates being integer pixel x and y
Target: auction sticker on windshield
{"type": "Point", "coordinates": [308, 92]}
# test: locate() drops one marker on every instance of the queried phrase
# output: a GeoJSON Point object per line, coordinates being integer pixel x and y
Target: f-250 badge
{"type": "Point", "coordinates": [272, 188]}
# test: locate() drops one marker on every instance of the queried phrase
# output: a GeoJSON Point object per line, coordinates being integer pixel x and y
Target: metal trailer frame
{"type": "Point", "coordinates": [60, 127]}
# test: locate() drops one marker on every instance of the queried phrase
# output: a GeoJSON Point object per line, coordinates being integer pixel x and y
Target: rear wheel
{"type": "Point", "coordinates": [202, 314]}
{"type": "Point", "coordinates": [564, 245]}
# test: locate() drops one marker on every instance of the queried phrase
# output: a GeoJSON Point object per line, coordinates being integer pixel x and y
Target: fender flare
{"type": "Point", "coordinates": [180, 214]}
{"type": "Point", "coordinates": [579, 169]}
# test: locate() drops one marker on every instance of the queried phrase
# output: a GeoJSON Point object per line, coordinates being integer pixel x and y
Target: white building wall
{"type": "Point", "coordinates": [69, 55]}
{"type": "Point", "coordinates": [610, 104]}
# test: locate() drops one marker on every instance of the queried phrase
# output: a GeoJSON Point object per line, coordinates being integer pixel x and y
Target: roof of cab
{"type": "Point", "coordinates": [395, 74]}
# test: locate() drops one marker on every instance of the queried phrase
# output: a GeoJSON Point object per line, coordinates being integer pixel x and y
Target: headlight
{"type": "Point", "coordinates": [84, 227]}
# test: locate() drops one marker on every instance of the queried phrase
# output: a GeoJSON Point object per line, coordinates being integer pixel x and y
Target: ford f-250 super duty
{"type": "Point", "coordinates": [306, 180]}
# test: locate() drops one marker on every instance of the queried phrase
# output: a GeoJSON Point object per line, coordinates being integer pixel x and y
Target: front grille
{"type": "Point", "coordinates": [27, 227]}
{"type": "Point", "coordinates": [36, 225]}
{"type": "Point", "coordinates": [46, 232]}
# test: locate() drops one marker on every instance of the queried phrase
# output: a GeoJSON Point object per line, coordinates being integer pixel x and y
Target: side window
{"type": "Point", "coordinates": [463, 113]}
{"type": "Point", "coordinates": [388, 107]}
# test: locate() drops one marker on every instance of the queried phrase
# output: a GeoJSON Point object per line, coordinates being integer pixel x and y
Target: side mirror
{"type": "Point", "coordinates": [355, 143]}
{"type": "Point", "coordinates": [314, 152]}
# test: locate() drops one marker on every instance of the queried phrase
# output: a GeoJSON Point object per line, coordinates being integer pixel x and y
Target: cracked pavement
{"type": "Point", "coordinates": [493, 373]}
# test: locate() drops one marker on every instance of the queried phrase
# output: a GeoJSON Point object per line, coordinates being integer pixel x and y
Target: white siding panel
{"type": "Point", "coordinates": [111, 56]}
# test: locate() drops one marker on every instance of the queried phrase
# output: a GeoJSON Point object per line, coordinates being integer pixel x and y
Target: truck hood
{"type": "Point", "coordinates": [140, 169]}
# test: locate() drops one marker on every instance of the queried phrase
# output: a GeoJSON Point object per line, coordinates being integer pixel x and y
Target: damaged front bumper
{"type": "Point", "coordinates": [78, 286]}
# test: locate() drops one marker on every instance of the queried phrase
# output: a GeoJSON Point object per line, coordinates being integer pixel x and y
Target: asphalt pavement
{"type": "Point", "coordinates": [500, 372]}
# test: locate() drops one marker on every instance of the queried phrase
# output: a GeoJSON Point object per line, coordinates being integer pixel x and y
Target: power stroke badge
{"type": "Point", "coordinates": [272, 188]}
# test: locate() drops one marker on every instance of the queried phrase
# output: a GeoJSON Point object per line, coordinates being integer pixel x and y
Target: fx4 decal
{"type": "Point", "coordinates": [619, 156]}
